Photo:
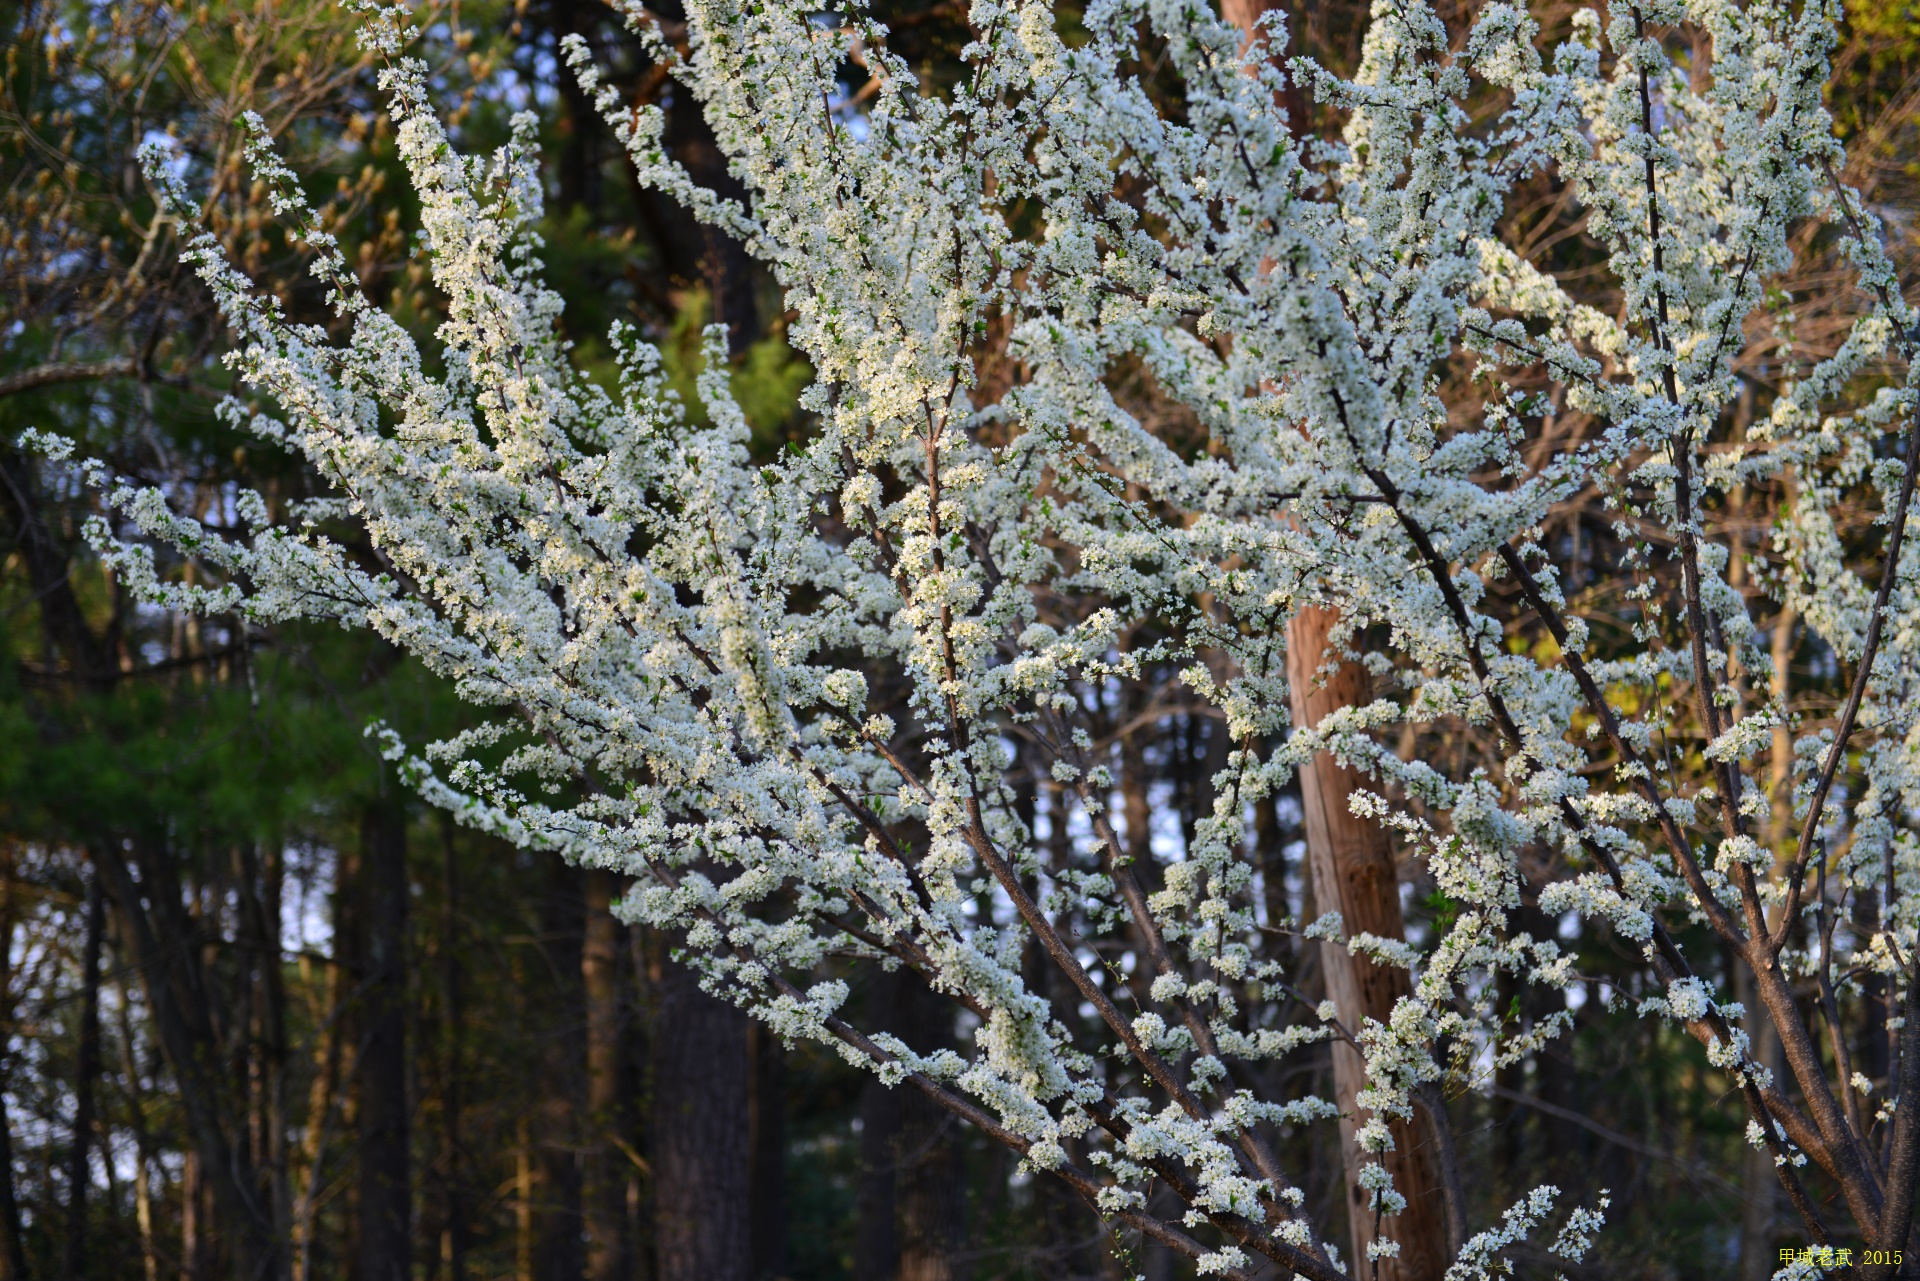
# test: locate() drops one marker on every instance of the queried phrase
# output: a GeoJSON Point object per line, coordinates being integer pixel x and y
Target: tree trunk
{"type": "Point", "coordinates": [453, 1232]}
{"type": "Point", "coordinates": [180, 1005]}
{"type": "Point", "coordinates": [876, 1246]}
{"type": "Point", "coordinates": [1158, 1262]}
{"type": "Point", "coordinates": [1760, 1180]}
{"type": "Point", "coordinates": [1353, 873]}
{"type": "Point", "coordinates": [13, 1257]}
{"type": "Point", "coordinates": [700, 1133]}
{"type": "Point", "coordinates": [142, 1141]}
{"type": "Point", "coordinates": [191, 1195]}
{"type": "Point", "coordinates": [767, 1141]}
{"type": "Point", "coordinates": [561, 1121]}
{"type": "Point", "coordinates": [604, 1194]}
{"type": "Point", "coordinates": [385, 1218]}
{"type": "Point", "coordinates": [643, 964]}
{"type": "Point", "coordinates": [270, 866]}
{"type": "Point", "coordinates": [933, 1176]}
{"type": "Point", "coordinates": [256, 890]}
{"type": "Point", "coordinates": [86, 1072]}
{"type": "Point", "coordinates": [320, 1106]}
{"type": "Point", "coordinates": [523, 1200]}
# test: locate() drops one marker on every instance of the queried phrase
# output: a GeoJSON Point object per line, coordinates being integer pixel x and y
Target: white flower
{"type": "Point", "coordinates": [984, 553]}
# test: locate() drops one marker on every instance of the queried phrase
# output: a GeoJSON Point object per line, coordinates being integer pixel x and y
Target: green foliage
{"type": "Point", "coordinates": [766, 379]}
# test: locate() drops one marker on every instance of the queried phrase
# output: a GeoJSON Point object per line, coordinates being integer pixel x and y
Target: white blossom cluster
{"type": "Point", "coordinates": [795, 700]}
{"type": "Point", "coordinates": [1480, 1258]}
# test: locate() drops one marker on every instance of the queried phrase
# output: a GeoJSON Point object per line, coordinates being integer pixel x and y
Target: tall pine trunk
{"type": "Point", "coordinates": [162, 938]}
{"type": "Point", "coordinates": [270, 868]}
{"type": "Point", "coordinates": [1353, 874]}
{"type": "Point", "coordinates": [1760, 1180]}
{"type": "Point", "coordinates": [876, 1245]}
{"type": "Point", "coordinates": [142, 1139]}
{"type": "Point", "coordinates": [321, 1101]}
{"type": "Point", "coordinates": [1351, 871]}
{"type": "Point", "coordinates": [86, 1073]}
{"type": "Point", "coordinates": [767, 1145]}
{"type": "Point", "coordinates": [929, 1154]}
{"type": "Point", "coordinates": [700, 1140]}
{"type": "Point", "coordinates": [386, 1190]}
{"type": "Point", "coordinates": [912, 1194]}
{"type": "Point", "coordinates": [560, 1120]}
{"type": "Point", "coordinates": [13, 1258]}
{"type": "Point", "coordinates": [192, 1219]}
{"type": "Point", "coordinates": [604, 1194]}
{"type": "Point", "coordinates": [453, 1230]}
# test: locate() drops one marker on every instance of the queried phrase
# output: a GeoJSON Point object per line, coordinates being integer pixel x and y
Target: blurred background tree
{"type": "Point", "coordinates": [267, 1017]}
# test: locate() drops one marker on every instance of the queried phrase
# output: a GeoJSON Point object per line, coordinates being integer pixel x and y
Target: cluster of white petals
{"type": "Point", "coordinates": [791, 699]}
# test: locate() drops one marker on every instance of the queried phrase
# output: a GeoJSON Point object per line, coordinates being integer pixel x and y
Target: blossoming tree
{"type": "Point", "coordinates": [798, 702]}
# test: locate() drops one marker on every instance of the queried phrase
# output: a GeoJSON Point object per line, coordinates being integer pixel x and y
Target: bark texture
{"type": "Point", "coordinates": [86, 1072]}
{"type": "Point", "coordinates": [386, 1206]}
{"type": "Point", "coordinates": [151, 919]}
{"type": "Point", "coordinates": [1353, 873]}
{"type": "Point", "coordinates": [912, 1195]}
{"type": "Point", "coordinates": [876, 1246]}
{"type": "Point", "coordinates": [560, 1121]}
{"type": "Point", "coordinates": [604, 1195]}
{"type": "Point", "coordinates": [13, 1259]}
{"type": "Point", "coordinates": [767, 1125]}
{"type": "Point", "coordinates": [453, 1229]}
{"type": "Point", "coordinates": [700, 1133]}
{"type": "Point", "coordinates": [933, 1177]}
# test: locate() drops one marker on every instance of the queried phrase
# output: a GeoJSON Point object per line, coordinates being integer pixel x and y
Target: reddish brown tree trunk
{"type": "Point", "coordinates": [1353, 873]}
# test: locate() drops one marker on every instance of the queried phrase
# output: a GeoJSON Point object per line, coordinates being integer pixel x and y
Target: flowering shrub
{"type": "Point", "coordinates": [799, 701]}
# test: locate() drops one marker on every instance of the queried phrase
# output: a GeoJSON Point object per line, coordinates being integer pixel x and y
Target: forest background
{"type": "Point", "coordinates": [259, 1002]}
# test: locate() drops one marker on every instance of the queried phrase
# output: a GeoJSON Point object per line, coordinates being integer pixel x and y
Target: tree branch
{"type": "Point", "coordinates": [68, 371]}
